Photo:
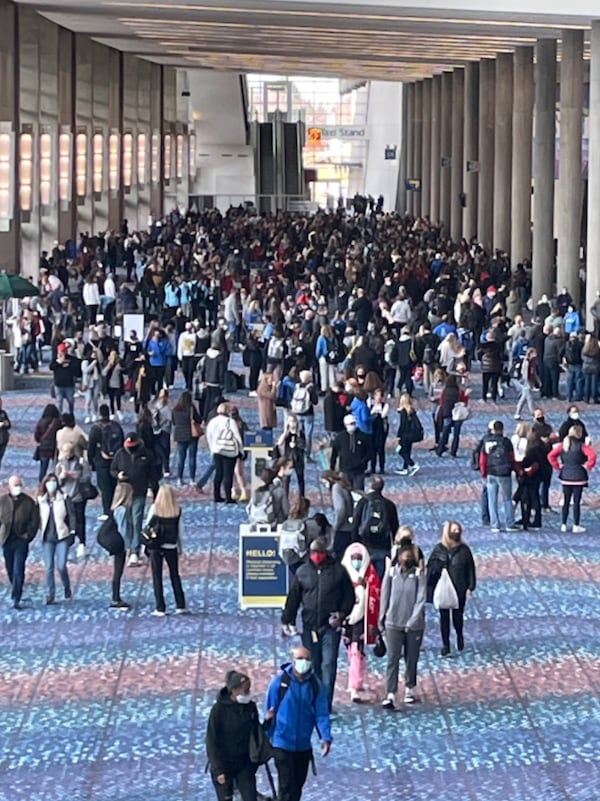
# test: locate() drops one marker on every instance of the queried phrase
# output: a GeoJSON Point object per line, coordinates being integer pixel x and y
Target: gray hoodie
{"type": "Point", "coordinates": [403, 598]}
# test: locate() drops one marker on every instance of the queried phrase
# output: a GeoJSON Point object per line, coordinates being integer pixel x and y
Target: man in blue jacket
{"type": "Point", "coordinates": [296, 703]}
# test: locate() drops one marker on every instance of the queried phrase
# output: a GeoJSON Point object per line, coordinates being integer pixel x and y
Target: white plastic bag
{"type": "Point", "coordinates": [444, 595]}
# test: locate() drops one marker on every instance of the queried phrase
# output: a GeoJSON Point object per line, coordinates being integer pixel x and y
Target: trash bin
{"type": "Point", "coordinates": [7, 375]}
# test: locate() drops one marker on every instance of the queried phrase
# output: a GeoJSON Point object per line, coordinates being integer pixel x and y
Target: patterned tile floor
{"type": "Point", "coordinates": [98, 705]}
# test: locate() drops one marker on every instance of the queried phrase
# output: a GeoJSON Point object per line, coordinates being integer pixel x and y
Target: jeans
{"type": "Point", "coordinates": [405, 378]}
{"type": "Point", "coordinates": [292, 770]}
{"type": "Point", "coordinates": [79, 512]}
{"type": "Point", "coordinates": [170, 556]}
{"type": "Point", "coordinates": [406, 453]}
{"type": "Point", "coordinates": [106, 485]}
{"type": "Point", "coordinates": [65, 394]}
{"type": "Point", "coordinates": [44, 465]}
{"type": "Point", "coordinates": [489, 385]}
{"type": "Point", "coordinates": [401, 642]}
{"type": "Point", "coordinates": [575, 492]}
{"type": "Point", "coordinates": [590, 387]}
{"type": "Point", "coordinates": [15, 555]}
{"type": "Point", "coordinates": [307, 421]}
{"type": "Point", "coordinates": [497, 485]}
{"type": "Point", "coordinates": [526, 397]}
{"type": "Point", "coordinates": [575, 382]}
{"type": "Point", "coordinates": [485, 507]}
{"type": "Point", "coordinates": [207, 473]}
{"type": "Point", "coordinates": [190, 448]}
{"type": "Point", "coordinates": [448, 426]}
{"type": "Point", "coordinates": [138, 504]}
{"type": "Point", "coordinates": [324, 656]}
{"type": "Point", "coordinates": [55, 553]}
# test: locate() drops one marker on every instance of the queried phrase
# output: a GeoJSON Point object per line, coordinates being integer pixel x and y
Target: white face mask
{"type": "Point", "coordinates": [243, 699]}
{"type": "Point", "coordinates": [302, 665]}
{"type": "Point", "coordinates": [52, 486]}
{"type": "Point", "coordinates": [574, 415]}
{"type": "Point", "coordinates": [16, 491]}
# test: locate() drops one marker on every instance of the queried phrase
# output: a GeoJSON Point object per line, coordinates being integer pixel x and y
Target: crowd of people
{"type": "Point", "coordinates": [355, 321]}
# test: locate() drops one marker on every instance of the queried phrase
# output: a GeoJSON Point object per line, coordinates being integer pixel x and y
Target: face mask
{"type": "Point", "coordinates": [351, 429]}
{"type": "Point", "coordinates": [51, 486]}
{"type": "Point", "coordinates": [410, 564]}
{"type": "Point", "coordinates": [243, 699]}
{"type": "Point", "coordinates": [356, 563]}
{"type": "Point", "coordinates": [293, 427]}
{"type": "Point", "coordinates": [539, 419]}
{"type": "Point", "coordinates": [318, 557]}
{"type": "Point", "coordinates": [454, 536]}
{"type": "Point", "coordinates": [574, 415]}
{"type": "Point", "coordinates": [302, 666]}
{"type": "Point", "coordinates": [16, 491]}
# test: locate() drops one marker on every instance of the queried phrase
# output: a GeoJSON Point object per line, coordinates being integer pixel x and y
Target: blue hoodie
{"type": "Point", "coordinates": [299, 712]}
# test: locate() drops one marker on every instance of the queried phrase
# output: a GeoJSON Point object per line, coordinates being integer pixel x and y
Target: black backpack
{"type": "Point", "coordinates": [374, 524]}
{"type": "Point", "coordinates": [111, 440]}
{"type": "Point", "coordinates": [498, 454]}
{"type": "Point", "coordinates": [414, 426]}
{"type": "Point", "coordinates": [428, 355]}
{"type": "Point", "coordinates": [109, 537]}
{"type": "Point", "coordinates": [336, 352]}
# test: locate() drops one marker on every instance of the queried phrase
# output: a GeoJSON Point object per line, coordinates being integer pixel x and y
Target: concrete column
{"type": "Point", "coordinates": [144, 113]}
{"type": "Point", "coordinates": [403, 166]}
{"type": "Point", "coordinates": [409, 88]}
{"type": "Point", "coordinates": [456, 180]}
{"type": "Point", "coordinates": [503, 151]}
{"type": "Point", "coordinates": [100, 115]}
{"type": "Point", "coordinates": [485, 189]}
{"type": "Point", "coordinates": [522, 131]}
{"type": "Point", "coordinates": [67, 209]}
{"type": "Point", "coordinates": [9, 116]}
{"type": "Point", "coordinates": [446, 150]}
{"type": "Point", "coordinates": [84, 93]}
{"type": "Point", "coordinates": [48, 104]}
{"type": "Point", "coordinates": [115, 126]}
{"type": "Point", "coordinates": [418, 144]}
{"type": "Point", "coordinates": [130, 127]}
{"type": "Point", "coordinates": [156, 117]}
{"type": "Point", "coordinates": [543, 177]}
{"type": "Point", "coordinates": [436, 116]}
{"type": "Point", "coordinates": [593, 240]}
{"type": "Point", "coordinates": [426, 154]}
{"type": "Point", "coordinates": [470, 149]}
{"type": "Point", "coordinates": [169, 95]}
{"type": "Point", "coordinates": [570, 184]}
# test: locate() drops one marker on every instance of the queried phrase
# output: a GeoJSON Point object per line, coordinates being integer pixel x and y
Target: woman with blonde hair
{"type": "Point", "coordinates": [410, 430]}
{"type": "Point", "coordinates": [164, 516]}
{"type": "Point", "coordinates": [121, 512]}
{"type": "Point", "coordinates": [573, 458]}
{"type": "Point", "coordinates": [519, 440]}
{"type": "Point", "coordinates": [453, 555]}
{"type": "Point", "coordinates": [112, 374]}
{"type": "Point", "coordinates": [449, 350]}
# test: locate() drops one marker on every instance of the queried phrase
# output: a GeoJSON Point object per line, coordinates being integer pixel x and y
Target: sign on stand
{"type": "Point", "coordinates": [260, 447]}
{"type": "Point", "coordinates": [263, 576]}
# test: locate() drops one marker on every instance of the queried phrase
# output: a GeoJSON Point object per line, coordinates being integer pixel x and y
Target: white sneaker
{"type": "Point", "coordinates": [253, 394]}
{"type": "Point", "coordinates": [402, 472]}
{"type": "Point", "coordinates": [355, 697]}
{"type": "Point", "coordinates": [414, 469]}
{"type": "Point", "coordinates": [102, 517]}
{"type": "Point", "coordinates": [182, 611]}
{"type": "Point", "coordinates": [578, 529]}
{"type": "Point", "coordinates": [409, 698]}
{"type": "Point", "coordinates": [517, 416]}
{"type": "Point", "coordinates": [134, 560]}
{"type": "Point", "coordinates": [88, 420]}
{"type": "Point", "coordinates": [563, 527]}
{"type": "Point", "coordinates": [157, 613]}
{"type": "Point", "coordinates": [80, 551]}
{"type": "Point", "coordinates": [388, 703]}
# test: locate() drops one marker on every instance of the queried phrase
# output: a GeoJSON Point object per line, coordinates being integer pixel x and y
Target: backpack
{"type": "Point", "coordinates": [260, 509]}
{"type": "Point", "coordinates": [275, 349]}
{"type": "Point", "coordinates": [498, 455]}
{"type": "Point", "coordinates": [301, 399]}
{"type": "Point", "coordinates": [111, 440]}
{"type": "Point", "coordinates": [428, 355]}
{"type": "Point", "coordinates": [374, 521]}
{"type": "Point", "coordinates": [516, 369]}
{"type": "Point", "coordinates": [336, 352]}
{"type": "Point", "coordinates": [283, 395]}
{"type": "Point", "coordinates": [109, 537]}
{"type": "Point", "coordinates": [414, 428]}
{"type": "Point", "coordinates": [285, 686]}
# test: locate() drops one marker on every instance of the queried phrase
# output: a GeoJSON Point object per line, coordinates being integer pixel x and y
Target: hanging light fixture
{"type": "Point", "coordinates": [142, 156]}
{"type": "Point", "coordinates": [6, 175]}
{"type": "Point", "coordinates": [64, 165]}
{"type": "Point", "coordinates": [179, 158]}
{"type": "Point", "coordinates": [98, 163]}
{"type": "Point", "coordinates": [81, 165]}
{"type": "Point", "coordinates": [26, 171]}
{"type": "Point", "coordinates": [127, 160]}
{"type": "Point", "coordinates": [167, 155]}
{"type": "Point", "coordinates": [155, 167]}
{"type": "Point", "coordinates": [46, 169]}
{"type": "Point", "coordinates": [114, 161]}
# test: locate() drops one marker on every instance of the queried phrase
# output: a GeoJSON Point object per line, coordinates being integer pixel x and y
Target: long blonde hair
{"type": "Point", "coordinates": [446, 533]}
{"type": "Point", "coordinates": [574, 432]}
{"type": "Point", "coordinates": [123, 496]}
{"type": "Point", "coordinates": [406, 403]}
{"type": "Point", "coordinates": [165, 503]}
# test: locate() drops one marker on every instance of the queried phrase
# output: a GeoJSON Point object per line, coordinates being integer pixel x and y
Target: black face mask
{"type": "Point", "coordinates": [454, 536]}
{"type": "Point", "coordinates": [410, 564]}
{"type": "Point", "coordinates": [539, 419]}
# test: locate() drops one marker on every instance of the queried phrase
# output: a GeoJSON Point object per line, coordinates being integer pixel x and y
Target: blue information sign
{"type": "Point", "coordinates": [263, 574]}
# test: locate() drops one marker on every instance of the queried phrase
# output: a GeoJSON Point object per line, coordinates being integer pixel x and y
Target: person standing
{"type": "Point", "coordinates": [65, 369]}
{"type": "Point", "coordinates": [528, 381]}
{"type": "Point", "coordinates": [573, 458]}
{"type": "Point", "coordinates": [225, 444]}
{"type": "Point", "coordinates": [165, 516]}
{"type": "Point", "coordinates": [349, 447]}
{"type": "Point", "coordinates": [162, 418]}
{"type": "Point", "coordinates": [121, 512]}
{"type": "Point", "coordinates": [295, 705]}
{"type": "Point", "coordinates": [230, 724]}
{"type": "Point", "coordinates": [5, 426]}
{"type": "Point", "coordinates": [322, 588]}
{"type": "Point", "coordinates": [496, 464]}
{"type": "Point", "coordinates": [450, 396]}
{"type": "Point", "coordinates": [132, 463]}
{"type": "Point", "coordinates": [19, 522]}
{"type": "Point", "coordinates": [45, 436]}
{"type": "Point", "coordinates": [106, 439]}
{"type": "Point", "coordinates": [57, 527]}
{"type": "Point", "coordinates": [402, 618]}
{"type": "Point", "coordinates": [410, 431]}
{"type": "Point", "coordinates": [267, 395]}
{"type": "Point", "coordinates": [453, 554]}
{"type": "Point", "coordinates": [303, 403]}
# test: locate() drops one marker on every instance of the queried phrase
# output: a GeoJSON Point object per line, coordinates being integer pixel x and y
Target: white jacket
{"type": "Point", "coordinates": [219, 429]}
{"type": "Point", "coordinates": [91, 293]}
{"type": "Point", "coordinates": [61, 516]}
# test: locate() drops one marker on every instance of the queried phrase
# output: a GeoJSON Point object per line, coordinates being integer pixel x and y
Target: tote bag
{"type": "Point", "coordinates": [444, 596]}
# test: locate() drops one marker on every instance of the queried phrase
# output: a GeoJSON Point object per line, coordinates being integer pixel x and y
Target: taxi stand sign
{"type": "Point", "coordinates": [263, 575]}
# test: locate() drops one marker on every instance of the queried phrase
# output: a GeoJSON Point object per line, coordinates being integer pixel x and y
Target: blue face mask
{"type": "Point", "coordinates": [302, 665]}
{"type": "Point", "coordinates": [356, 563]}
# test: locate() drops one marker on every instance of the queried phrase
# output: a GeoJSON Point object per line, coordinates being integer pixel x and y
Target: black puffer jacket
{"type": "Point", "coordinates": [228, 734]}
{"type": "Point", "coordinates": [490, 354]}
{"type": "Point", "coordinates": [136, 463]}
{"type": "Point", "coordinates": [460, 565]}
{"type": "Point", "coordinates": [320, 590]}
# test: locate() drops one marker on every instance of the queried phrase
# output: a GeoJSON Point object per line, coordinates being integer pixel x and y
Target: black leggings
{"type": "Point", "coordinates": [245, 780]}
{"type": "Point", "coordinates": [490, 384]}
{"type": "Point", "coordinates": [575, 492]}
{"type": "Point", "coordinates": [457, 621]}
{"type": "Point", "coordinates": [118, 566]}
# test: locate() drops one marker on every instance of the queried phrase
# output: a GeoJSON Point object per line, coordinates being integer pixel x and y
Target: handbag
{"type": "Point", "coordinates": [379, 649]}
{"type": "Point", "coordinates": [109, 537]}
{"type": "Point", "coordinates": [444, 595]}
{"type": "Point", "coordinates": [87, 490]}
{"type": "Point", "coordinates": [226, 443]}
{"type": "Point", "coordinates": [150, 536]}
{"type": "Point", "coordinates": [260, 749]}
{"type": "Point", "coordinates": [36, 454]}
{"type": "Point", "coordinates": [196, 427]}
{"type": "Point", "coordinates": [460, 412]}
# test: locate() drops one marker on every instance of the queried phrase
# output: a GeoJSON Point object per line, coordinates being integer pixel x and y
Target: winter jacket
{"type": "Point", "coordinates": [553, 349]}
{"type": "Point", "coordinates": [392, 521]}
{"type": "Point", "coordinates": [136, 463]}
{"type": "Point", "coordinates": [214, 367]}
{"type": "Point", "coordinates": [460, 565]}
{"type": "Point", "coordinates": [490, 354]}
{"type": "Point", "coordinates": [300, 711]}
{"type": "Point", "coordinates": [64, 517]}
{"type": "Point", "coordinates": [488, 464]}
{"type": "Point", "coordinates": [343, 507]}
{"type": "Point", "coordinates": [334, 411]}
{"type": "Point", "coordinates": [181, 420]}
{"type": "Point", "coordinates": [19, 517]}
{"type": "Point", "coordinates": [573, 463]}
{"type": "Point", "coordinates": [228, 734]}
{"type": "Point", "coordinates": [45, 436]}
{"type": "Point", "coordinates": [362, 414]}
{"type": "Point", "coordinates": [320, 590]}
{"type": "Point", "coordinates": [351, 451]}
{"type": "Point", "coordinates": [158, 351]}
{"type": "Point", "coordinates": [402, 603]}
